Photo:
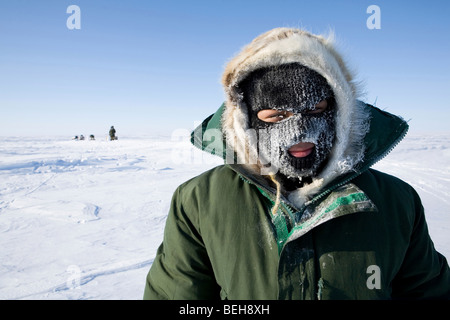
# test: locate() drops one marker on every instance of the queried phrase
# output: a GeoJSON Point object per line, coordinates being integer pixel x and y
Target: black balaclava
{"type": "Point", "coordinates": [295, 88]}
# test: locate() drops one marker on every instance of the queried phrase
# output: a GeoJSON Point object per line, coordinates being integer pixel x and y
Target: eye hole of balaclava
{"type": "Point", "coordinates": [297, 89]}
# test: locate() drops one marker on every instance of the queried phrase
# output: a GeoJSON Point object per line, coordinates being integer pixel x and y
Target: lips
{"type": "Point", "coordinates": [301, 150]}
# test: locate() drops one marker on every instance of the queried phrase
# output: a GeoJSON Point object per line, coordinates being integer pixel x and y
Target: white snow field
{"type": "Point", "coordinates": [83, 219]}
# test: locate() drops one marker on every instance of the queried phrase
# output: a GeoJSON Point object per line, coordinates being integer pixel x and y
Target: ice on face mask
{"type": "Point", "coordinates": [275, 140]}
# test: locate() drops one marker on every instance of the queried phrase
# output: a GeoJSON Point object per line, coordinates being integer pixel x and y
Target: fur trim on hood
{"type": "Point", "coordinates": [286, 45]}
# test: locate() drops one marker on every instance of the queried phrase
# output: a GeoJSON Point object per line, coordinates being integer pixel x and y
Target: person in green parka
{"type": "Point", "coordinates": [296, 211]}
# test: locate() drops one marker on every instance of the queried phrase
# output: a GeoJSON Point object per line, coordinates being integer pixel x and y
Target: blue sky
{"type": "Point", "coordinates": [155, 66]}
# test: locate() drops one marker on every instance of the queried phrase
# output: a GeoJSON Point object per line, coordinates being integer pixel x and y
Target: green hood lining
{"type": "Point", "coordinates": [347, 200]}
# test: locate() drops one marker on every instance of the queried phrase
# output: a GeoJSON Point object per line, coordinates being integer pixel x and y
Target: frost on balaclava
{"type": "Point", "coordinates": [295, 88]}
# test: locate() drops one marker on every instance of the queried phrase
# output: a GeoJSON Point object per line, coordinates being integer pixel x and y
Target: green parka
{"type": "Point", "coordinates": [363, 236]}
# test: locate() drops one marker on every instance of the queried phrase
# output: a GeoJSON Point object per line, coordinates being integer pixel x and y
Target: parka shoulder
{"type": "Point", "coordinates": [212, 186]}
{"type": "Point", "coordinates": [390, 193]}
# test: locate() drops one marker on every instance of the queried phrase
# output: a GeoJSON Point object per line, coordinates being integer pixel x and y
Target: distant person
{"type": "Point", "coordinates": [81, 137]}
{"type": "Point", "coordinates": [92, 137]}
{"type": "Point", "coordinates": [112, 133]}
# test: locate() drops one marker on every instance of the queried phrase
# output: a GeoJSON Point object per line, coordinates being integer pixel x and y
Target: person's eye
{"type": "Point", "coordinates": [278, 116]}
{"type": "Point", "coordinates": [269, 115]}
{"type": "Point", "coordinates": [319, 108]}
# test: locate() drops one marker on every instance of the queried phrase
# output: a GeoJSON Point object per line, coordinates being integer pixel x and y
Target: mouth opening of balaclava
{"type": "Point", "coordinates": [296, 89]}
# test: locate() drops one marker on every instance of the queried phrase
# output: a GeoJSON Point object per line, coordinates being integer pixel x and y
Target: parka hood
{"type": "Point", "coordinates": [353, 118]}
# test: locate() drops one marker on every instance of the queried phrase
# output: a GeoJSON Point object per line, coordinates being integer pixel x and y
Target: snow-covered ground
{"type": "Point", "coordinates": [83, 219]}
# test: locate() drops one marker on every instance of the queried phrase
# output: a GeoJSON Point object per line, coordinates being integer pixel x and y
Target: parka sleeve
{"type": "Point", "coordinates": [181, 269]}
{"type": "Point", "coordinates": [424, 273]}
